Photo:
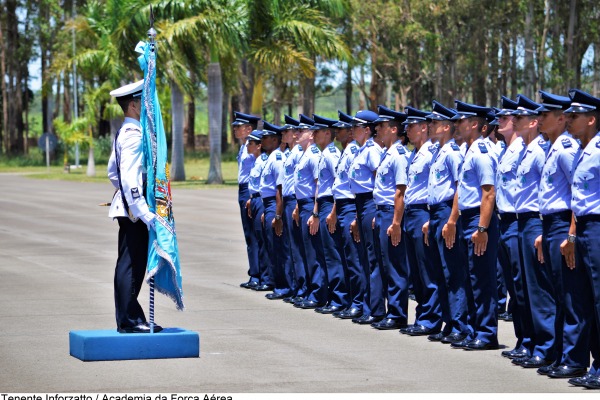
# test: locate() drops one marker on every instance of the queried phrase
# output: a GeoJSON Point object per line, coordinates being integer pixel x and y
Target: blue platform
{"type": "Point", "coordinates": [104, 345]}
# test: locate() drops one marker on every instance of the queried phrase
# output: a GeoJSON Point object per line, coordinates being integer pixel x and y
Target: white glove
{"type": "Point", "coordinates": [149, 219]}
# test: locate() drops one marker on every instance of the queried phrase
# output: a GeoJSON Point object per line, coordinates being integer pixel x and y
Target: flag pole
{"type": "Point", "coordinates": [151, 40]}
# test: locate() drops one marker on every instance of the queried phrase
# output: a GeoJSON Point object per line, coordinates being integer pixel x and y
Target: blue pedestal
{"type": "Point", "coordinates": [103, 345]}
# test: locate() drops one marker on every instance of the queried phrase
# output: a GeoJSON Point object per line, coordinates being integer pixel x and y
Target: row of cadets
{"type": "Point", "coordinates": [428, 318]}
{"type": "Point", "coordinates": [388, 194]}
{"type": "Point", "coordinates": [445, 249]}
{"type": "Point", "coordinates": [242, 126]}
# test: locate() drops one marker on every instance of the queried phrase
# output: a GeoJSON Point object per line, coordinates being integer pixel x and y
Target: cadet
{"type": "Point", "coordinates": [291, 231]}
{"type": "Point", "coordinates": [242, 126]}
{"type": "Point", "coordinates": [476, 200]}
{"type": "Point", "coordinates": [270, 192]}
{"type": "Point", "coordinates": [255, 210]}
{"type": "Point", "coordinates": [508, 246]}
{"type": "Point", "coordinates": [362, 182]}
{"type": "Point", "coordinates": [584, 124]}
{"type": "Point", "coordinates": [388, 195]}
{"type": "Point", "coordinates": [428, 318]}
{"type": "Point", "coordinates": [537, 278]}
{"type": "Point", "coordinates": [443, 239]}
{"type": "Point", "coordinates": [342, 215]}
{"type": "Point", "coordinates": [555, 211]}
{"type": "Point", "coordinates": [127, 173]}
{"type": "Point", "coordinates": [305, 182]}
{"type": "Point", "coordinates": [332, 254]}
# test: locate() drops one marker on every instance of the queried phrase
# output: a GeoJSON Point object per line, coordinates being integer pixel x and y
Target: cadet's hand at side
{"type": "Point", "coordinates": [425, 230]}
{"type": "Point", "coordinates": [480, 240]}
{"type": "Point", "coordinates": [277, 225]}
{"type": "Point", "coordinates": [567, 249]}
{"type": "Point", "coordinates": [354, 231]}
{"type": "Point", "coordinates": [149, 219]}
{"type": "Point", "coordinates": [331, 221]}
{"type": "Point", "coordinates": [449, 234]}
{"type": "Point", "coordinates": [249, 208]}
{"type": "Point", "coordinates": [313, 225]}
{"type": "Point", "coordinates": [538, 247]}
{"type": "Point", "coordinates": [395, 233]}
{"type": "Point", "coordinates": [296, 216]}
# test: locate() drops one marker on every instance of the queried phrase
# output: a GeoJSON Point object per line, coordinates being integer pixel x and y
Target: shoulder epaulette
{"type": "Point", "coordinates": [455, 147]}
{"type": "Point", "coordinates": [401, 149]}
{"type": "Point", "coordinates": [566, 143]}
{"type": "Point", "coordinates": [314, 149]}
{"type": "Point", "coordinates": [353, 149]}
{"type": "Point", "coordinates": [598, 144]}
{"type": "Point", "coordinates": [264, 156]}
{"type": "Point", "coordinates": [432, 148]}
{"type": "Point", "coordinates": [369, 143]}
{"type": "Point", "coordinates": [331, 148]}
{"type": "Point", "coordinates": [503, 145]}
{"type": "Point", "coordinates": [278, 156]}
{"type": "Point", "coordinates": [300, 148]}
{"type": "Point", "coordinates": [482, 147]}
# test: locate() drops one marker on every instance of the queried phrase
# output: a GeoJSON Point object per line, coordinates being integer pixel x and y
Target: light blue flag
{"type": "Point", "coordinates": [163, 252]}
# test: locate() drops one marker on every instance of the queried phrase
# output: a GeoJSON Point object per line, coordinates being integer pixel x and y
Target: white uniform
{"type": "Point", "coordinates": [129, 148]}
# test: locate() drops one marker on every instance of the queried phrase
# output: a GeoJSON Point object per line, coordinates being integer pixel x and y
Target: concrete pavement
{"type": "Point", "coordinates": [57, 255]}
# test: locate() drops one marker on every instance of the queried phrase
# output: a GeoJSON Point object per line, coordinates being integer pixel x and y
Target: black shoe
{"type": "Point", "coordinates": [436, 338]}
{"type": "Point", "coordinates": [349, 313]}
{"type": "Point", "coordinates": [593, 382]}
{"type": "Point", "coordinates": [509, 317]}
{"type": "Point", "coordinates": [275, 296]}
{"type": "Point", "coordinates": [515, 353]}
{"type": "Point", "coordinates": [308, 304]}
{"type": "Point", "coordinates": [418, 330]}
{"type": "Point", "coordinates": [297, 299]}
{"type": "Point", "coordinates": [546, 369]}
{"type": "Point", "coordinates": [366, 320]}
{"type": "Point", "coordinates": [389, 323]}
{"type": "Point", "coordinates": [535, 362]}
{"type": "Point", "coordinates": [453, 338]}
{"type": "Point", "coordinates": [331, 309]}
{"type": "Point", "coordinates": [263, 288]}
{"type": "Point", "coordinates": [581, 381]}
{"type": "Point", "coordinates": [461, 344]}
{"type": "Point", "coordinates": [411, 296]}
{"type": "Point", "coordinates": [520, 360]}
{"type": "Point", "coordinates": [289, 300]}
{"type": "Point", "coordinates": [564, 371]}
{"type": "Point", "coordinates": [479, 344]}
{"type": "Point", "coordinates": [249, 284]}
{"type": "Point", "coordinates": [140, 328]}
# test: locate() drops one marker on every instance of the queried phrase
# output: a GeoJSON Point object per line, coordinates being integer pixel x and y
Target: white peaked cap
{"type": "Point", "coordinates": [131, 88]}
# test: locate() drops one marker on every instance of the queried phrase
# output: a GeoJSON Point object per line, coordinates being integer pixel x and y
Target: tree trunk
{"type": "Point", "coordinates": [257, 96]}
{"type": "Point", "coordinates": [542, 53]}
{"type": "Point", "coordinates": [348, 88]}
{"type": "Point", "coordinates": [505, 64]}
{"type": "Point", "coordinates": [189, 128]}
{"type": "Point", "coordinates": [215, 110]}
{"type": "Point", "coordinates": [596, 86]}
{"type": "Point", "coordinates": [513, 67]}
{"type": "Point", "coordinates": [570, 42]}
{"type": "Point", "coordinates": [308, 105]}
{"type": "Point", "coordinates": [177, 112]}
{"type": "Point", "coordinates": [5, 135]}
{"type": "Point", "coordinates": [224, 122]}
{"type": "Point", "coordinates": [234, 106]}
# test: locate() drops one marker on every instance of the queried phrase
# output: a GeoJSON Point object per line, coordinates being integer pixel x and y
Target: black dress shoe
{"type": "Point", "coordinates": [349, 313]}
{"type": "Point", "coordinates": [367, 320]}
{"type": "Point", "coordinates": [389, 323]}
{"type": "Point", "coordinates": [535, 362]}
{"type": "Point", "coordinates": [509, 317]}
{"type": "Point", "coordinates": [140, 328]}
{"type": "Point", "coordinates": [436, 338]}
{"type": "Point", "coordinates": [249, 284]}
{"type": "Point", "coordinates": [564, 371]}
{"type": "Point", "coordinates": [546, 369]}
{"type": "Point", "coordinates": [453, 338]}
{"type": "Point", "coordinates": [297, 299]}
{"type": "Point", "coordinates": [519, 360]}
{"type": "Point", "coordinates": [307, 304]}
{"type": "Point", "coordinates": [418, 330]}
{"type": "Point", "coordinates": [479, 344]}
{"type": "Point", "coordinates": [580, 381]}
{"type": "Point", "coordinates": [593, 382]}
{"type": "Point", "coordinates": [275, 296]}
{"type": "Point", "coordinates": [515, 353]}
{"type": "Point", "coordinates": [289, 299]}
{"type": "Point", "coordinates": [461, 344]}
{"type": "Point", "coordinates": [331, 309]}
{"type": "Point", "coordinates": [263, 288]}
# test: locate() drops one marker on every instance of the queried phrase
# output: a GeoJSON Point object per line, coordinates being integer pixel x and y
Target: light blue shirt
{"type": "Point", "coordinates": [557, 174]}
{"type": "Point", "coordinates": [306, 173]}
{"type": "Point", "coordinates": [463, 150]}
{"type": "Point", "coordinates": [444, 173]}
{"type": "Point", "coordinates": [529, 174]}
{"type": "Point", "coordinates": [491, 147]}
{"type": "Point", "coordinates": [506, 176]}
{"type": "Point", "coordinates": [271, 174]}
{"type": "Point", "coordinates": [330, 157]}
{"type": "Point", "coordinates": [392, 171]}
{"type": "Point", "coordinates": [478, 169]}
{"type": "Point", "coordinates": [586, 179]}
{"type": "Point", "coordinates": [362, 170]}
{"type": "Point", "coordinates": [245, 164]}
{"type": "Point", "coordinates": [418, 174]}
{"type": "Point", "coordinates": [289, 166]}
{"type": "Point", "coordinates": [256, 172]}
{"type": "Point", "coordinates": [341, 185]}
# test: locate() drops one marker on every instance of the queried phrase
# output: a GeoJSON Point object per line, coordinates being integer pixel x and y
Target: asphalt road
{"type": "Point", "coordinates": [57, 256]}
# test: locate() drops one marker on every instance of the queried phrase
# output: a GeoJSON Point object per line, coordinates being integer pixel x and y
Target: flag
{"type": "Point", "coordinates": [163, 252]}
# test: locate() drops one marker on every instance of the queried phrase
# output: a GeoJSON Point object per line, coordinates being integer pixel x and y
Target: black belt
{"type": "Point", "coordinates": [243, 185]}
{"type": "Point", "coordinates": [469, 212]}
{"type": "Point", "coordinates": [364, 196]}
{"type": "Point", "coordinates": [409, 207]}
{"type": "Point", "coordinates": [384, 207]}
{"type": "Point", "coordinates": [291, 197]}
{"type": "Point", "coordinates": [588, 218]}
{"type": "Point", "coordinates": [268, 198]}
{"type": "Point", "coordinates": [343, 202]}
{"type": "Point", "coordinates": [254, 195]}
{"type": "Point", "coordinates": [328, 199]}
{"type": "Point", "coordinates": [507, 216]}
{"type": "Point", "coordinates": [564, 215]}
{"type": "Point", "coordinates": [528, 215]}
{"type": "Point", "coordinates": [435, 207]}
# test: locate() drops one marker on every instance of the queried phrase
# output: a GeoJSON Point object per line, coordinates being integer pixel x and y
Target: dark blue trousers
{"type": "Point", "coordinates": [450, 272]}
{"type": "Point", "coordinates": [251, 245]}
{"type": "Point", "coordinates": [294, 266]}
{"type": "Point", "coordinates": [277, 248]}
{"type": "Point", "coordinates": [334, 256]}
{"type": "Point", "coordinates": [355, 280]}
{"type": "Point", "coordinates": [130, 271]}
{"type": "Point", "coordinates": [510, 261]}
{"type": "Point", "coordinates": [539, 288]}
{"type": "Point", "coordinates": [316, 275]}
{"type": "Point", "coordinates": [586, 299]}
{"type": "Point", "coordinates": [374, 300]}
{"type": "Point", "coordinates": [264, 262]}
{"type": "Point", "coordinates": [394, 266]}
{"type": "Point", "coordinates": [429, 309]}
{"type": "Point", "coordinates": [483, 320]}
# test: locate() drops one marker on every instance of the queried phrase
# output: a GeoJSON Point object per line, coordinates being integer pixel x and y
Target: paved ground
{"type": "Point", "coordinates": [57, 255]}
